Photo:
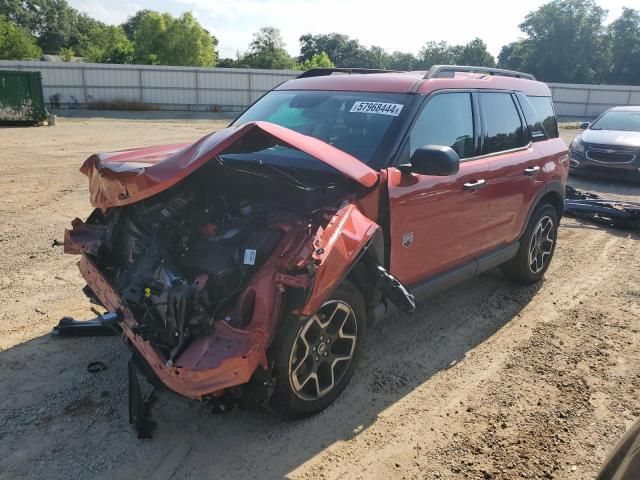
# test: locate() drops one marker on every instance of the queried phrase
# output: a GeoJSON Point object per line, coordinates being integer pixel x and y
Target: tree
{"type": "Point", "coordinates": [161, 39]}
{"type": "Point", "coordinates": [342, 50]}
{"type": "Point", "coordinates": [53, 22]}
{"type": "Point", "coordinates": [131, 25]}
{"type": "Point", "coordinates": [475, 53]}
{"type": "Point", "coordinates": [66, 54]}
{"type": "Point", "coordinates": [17, 43]}
{"type": "Point", "coordinates": [436, 53]}
{"type": "Point", "coordinates": [267, 50]}
{"type": "Point", "coordinates": [402, 61]}
{"type": "Point", "coordinates": [149, 37]}
{"type": "Point", "coordinates": [188, 43]}
{"type": "Point", "coordinates": [564, 43]}
{"type": "Point", "coordinates": [106, 44]}
{"type": "Point", "coordinates": [623, 36]}
{"type": "Point", "coordinates": [514, 55]}
{"type": "Point", "coordinates": [321, 60]}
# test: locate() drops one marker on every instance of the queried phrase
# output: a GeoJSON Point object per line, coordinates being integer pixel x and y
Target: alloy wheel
{"type": "Point", "coordinates": [323, 350]}
{"type": "Point", "coordinates": [541, 245]}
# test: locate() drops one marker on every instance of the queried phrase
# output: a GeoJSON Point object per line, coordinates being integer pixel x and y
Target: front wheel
{"type": "Point", "coordinates": [536, 247]}
{"type": "Point", "coordinates": [315, 358]}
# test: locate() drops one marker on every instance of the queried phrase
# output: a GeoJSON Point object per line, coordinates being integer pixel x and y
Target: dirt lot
{"type": "Point", "coordinates": [488, 380]}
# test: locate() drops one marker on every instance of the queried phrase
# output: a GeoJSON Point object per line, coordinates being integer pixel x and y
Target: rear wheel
{"type": "Point", "coordinates": [315, 358]}
{"type": "Point", "coordinates": [536, 247]}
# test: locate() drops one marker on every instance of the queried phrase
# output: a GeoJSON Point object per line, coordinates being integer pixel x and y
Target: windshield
{"type": "Point", "coordinates": [355, 122]}
{"type": "Point", "coordinates": [618, 120]}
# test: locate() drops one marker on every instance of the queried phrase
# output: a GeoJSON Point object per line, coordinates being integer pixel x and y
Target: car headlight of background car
{"type": "Point", "coordinates": [577, 145]}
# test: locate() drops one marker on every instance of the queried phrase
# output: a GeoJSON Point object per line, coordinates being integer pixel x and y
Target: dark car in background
{"type": "Point", "coordinates": [609, 147]}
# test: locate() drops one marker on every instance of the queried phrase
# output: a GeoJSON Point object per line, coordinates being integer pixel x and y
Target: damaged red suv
{"type": "Point", "coordinates": [247, 266]}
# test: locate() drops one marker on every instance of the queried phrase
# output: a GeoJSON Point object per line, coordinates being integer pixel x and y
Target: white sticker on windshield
{"type": "Point", "coordinates": [380, 108]}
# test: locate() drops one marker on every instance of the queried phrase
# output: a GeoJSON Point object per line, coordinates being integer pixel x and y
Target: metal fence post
{"type": "Point", "coordinates": [84, 86]}
{"type": "Point", "coordinates": [195, 73]}
{"type": "Point", "coordinates": [586, 103]}
{"type": "Point", "coordinates": [141, 96]}
{"type": "Point", "coordinates": [248, 89]}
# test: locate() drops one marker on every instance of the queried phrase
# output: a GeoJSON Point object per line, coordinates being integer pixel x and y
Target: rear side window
{"type": "Point", "coordinates": [544, 108]}
{"type": "Point", "coordinates": [503, 127]}
{"type": "Point", "coordinates": [536, 128]}
{"type": "Point", "coordinates": [447, 119]}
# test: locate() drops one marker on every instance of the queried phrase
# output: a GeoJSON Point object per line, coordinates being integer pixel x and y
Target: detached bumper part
{"type": "Point", "coordinates": [391, 287]}
{"type": "Point", "coordinates": [613, 213]}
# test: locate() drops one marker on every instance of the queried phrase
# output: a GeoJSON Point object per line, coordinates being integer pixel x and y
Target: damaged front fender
{"type": "Point", "coordinates": [338, 248]}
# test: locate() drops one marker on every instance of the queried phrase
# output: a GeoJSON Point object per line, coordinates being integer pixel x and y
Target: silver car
{"type": "Point", "coordinates": [609, 147]}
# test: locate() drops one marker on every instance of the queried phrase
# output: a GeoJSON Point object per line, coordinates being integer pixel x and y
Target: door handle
{"type": "Point", "coordinates": [531, 171]}
{"type": "Point", "coordinates": [473, 186]}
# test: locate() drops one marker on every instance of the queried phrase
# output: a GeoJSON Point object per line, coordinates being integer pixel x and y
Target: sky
{"type": "Point", "coordinates": [403, 25]}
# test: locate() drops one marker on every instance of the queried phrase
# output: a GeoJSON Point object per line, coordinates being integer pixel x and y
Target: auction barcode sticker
{"type": "Point", "coordinates": [249, 256]}
{"type": "Point", "coordinates": [380, 108]}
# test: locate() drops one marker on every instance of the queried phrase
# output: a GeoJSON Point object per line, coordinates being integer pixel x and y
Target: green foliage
{"type": "Point", "coordinates": [131, 25]}
{"type": "Point", "coordinates": [342, 50]}
{"type": "Point", "coordinates": [321, 60]}
{"type": "Point", "coordinates": [53, 22]}
{"type": "Point", "coordinates": [66, 54]}
{"type": "Point", "coordinates": [565, 43]}
{"type": "Point", "coordinates": [188, 43]}
{"type": "Point", "coordinates": [17, 43]}
{"type": "Point", "coordinates": [161, 39]}
{"type": "Point", "coordinates": [402, 61]}
{"type": "Point", "coordinates": [475, 53]}
{"type": "Point", "coordinates": [436, 53]}
{"type": "Point", "coordinates": [106, 44]}
{"type": "Point", "coordinates": [267, 50]}
{"type": "Point", "coordinates": [149, 36]}
{"type": "Point", "coordinates": [623, 36]}
{"type": "Point", "coordinates": [346, 52]}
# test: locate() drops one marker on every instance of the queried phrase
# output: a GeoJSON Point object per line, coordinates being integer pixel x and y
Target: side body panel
{"type": "Point", "coordinates": [512, 191]}
{"type": "Point", "coordinates": [435, 223]}
{"type": "Point", "coordinates": [517, 180]}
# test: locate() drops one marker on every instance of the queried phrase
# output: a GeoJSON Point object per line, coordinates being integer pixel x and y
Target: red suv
{"type": "Point", "coordinates": [247, 266]}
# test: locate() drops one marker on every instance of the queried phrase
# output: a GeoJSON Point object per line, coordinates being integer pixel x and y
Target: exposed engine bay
{"type": "Point", "coordinates": [180, 259]}
{"type": "Point", "coordinates": [177, 264]}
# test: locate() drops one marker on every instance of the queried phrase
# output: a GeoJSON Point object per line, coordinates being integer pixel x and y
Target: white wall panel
{"type": "Point", "coordinates": [235, 88]}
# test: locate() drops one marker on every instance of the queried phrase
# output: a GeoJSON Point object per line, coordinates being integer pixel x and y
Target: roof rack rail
{"type": "Point", "coordinates": [321, 72]}
{"type": "Point", "coordinates": [448, 71]}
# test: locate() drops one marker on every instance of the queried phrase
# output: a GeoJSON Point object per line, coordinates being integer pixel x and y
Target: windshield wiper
{"type": "Point", "coordinates": [264, 166]}
{"type": "Point", "coordinates": [282, 173]}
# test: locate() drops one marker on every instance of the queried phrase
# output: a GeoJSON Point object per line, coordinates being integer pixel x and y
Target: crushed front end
{"type": "Point", "coordinates": [200, 268]}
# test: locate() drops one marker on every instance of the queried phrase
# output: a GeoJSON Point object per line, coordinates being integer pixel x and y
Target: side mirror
{"type": "Point", "coordinates": [583, 125]}
{"type": "Point", "coordinates": [434, 160]}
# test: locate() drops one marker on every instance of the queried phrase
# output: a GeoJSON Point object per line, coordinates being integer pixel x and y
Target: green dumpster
{"type": "Point", "coordinates": [21, 98]}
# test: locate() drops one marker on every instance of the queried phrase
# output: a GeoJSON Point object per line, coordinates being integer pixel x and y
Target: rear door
{"type": "Point", "coordinates": [515, 165]}
{"type": "Point", "coordinates": [438, 222]}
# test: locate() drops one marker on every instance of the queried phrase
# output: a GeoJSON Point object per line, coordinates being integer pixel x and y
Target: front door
{"type": "Point", "coordinates": [437, 223]}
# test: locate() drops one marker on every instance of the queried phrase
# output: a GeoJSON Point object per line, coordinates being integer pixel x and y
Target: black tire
{"type": "Point", "coordinates": [291, 365]}
{"type": "Point", "coordinates": [521, 268]}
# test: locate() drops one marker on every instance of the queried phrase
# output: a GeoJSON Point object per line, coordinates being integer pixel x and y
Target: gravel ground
{"type": "Point", "coordinates": [488, 380]}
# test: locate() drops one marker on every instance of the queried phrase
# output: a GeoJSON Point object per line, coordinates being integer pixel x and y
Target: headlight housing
{"type": "Point", "coordinates": [577, 145]}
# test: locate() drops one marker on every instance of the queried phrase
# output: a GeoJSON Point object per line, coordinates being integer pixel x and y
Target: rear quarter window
{"type": "Point", "coordinates": [503, 127]}
{"type": "Point", "coordinates": [543, 107]}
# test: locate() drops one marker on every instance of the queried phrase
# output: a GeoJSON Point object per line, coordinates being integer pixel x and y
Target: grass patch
{"type": "Point", "coordinates": [120, 105]}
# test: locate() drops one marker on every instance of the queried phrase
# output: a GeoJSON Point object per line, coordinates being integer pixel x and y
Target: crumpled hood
{"type": "Point", "coordinates": [128, 176]}
{"type": "Point", "coordinates": [611, 137]}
